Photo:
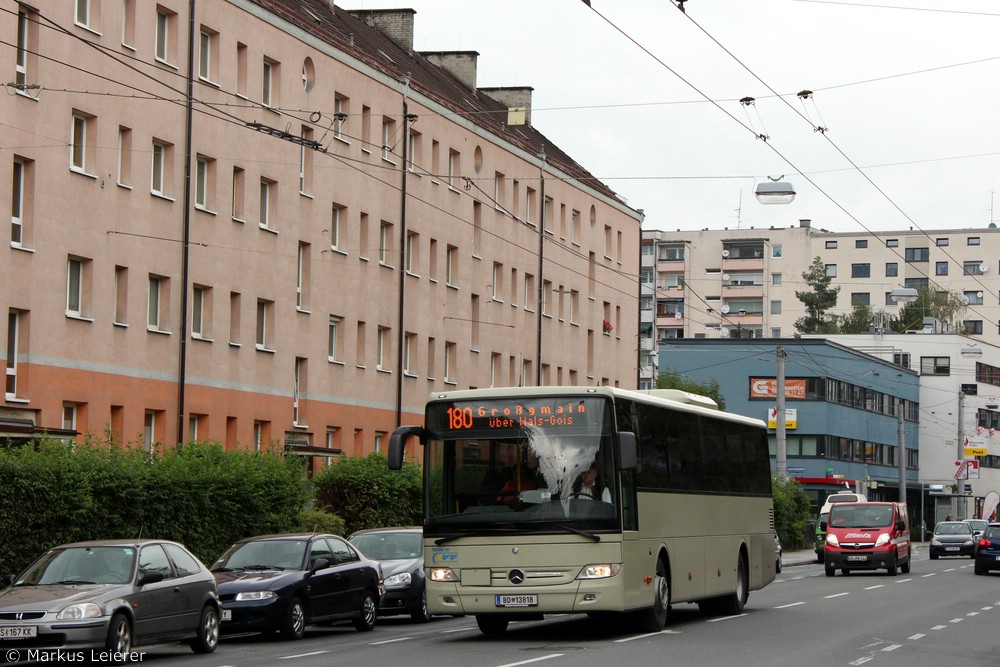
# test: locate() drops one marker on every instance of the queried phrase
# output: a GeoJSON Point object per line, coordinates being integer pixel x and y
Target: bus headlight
{"type": "Point", "coordinates": [832, 540]}
{"type": "Point", "coordinates": [599, 571]}
{"type": "Point", "coordinates": [882, 539]}
{"type": "Point", "coordinates": [442, 574]}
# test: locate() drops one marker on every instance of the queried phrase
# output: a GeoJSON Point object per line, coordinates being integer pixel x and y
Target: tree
{"type": "Point", "coordinates": [817, 302]}
{"type": "Point", "coordinates": [670, 379]}
{"type": "Point", "coordinates": [944, 306]}
{"type": "Point", "coordinates": [859, 321]}
{"type": "Point", "coordinates": [791, 511]}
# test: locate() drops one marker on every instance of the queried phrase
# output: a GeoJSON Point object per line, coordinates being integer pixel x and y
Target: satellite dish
{"type": "Point", "coordinates": [725, 310]}
{"type": "Point", "coordinates": [965, 299]}
{"type": "Point", "coordinates": [725, 253]}
{"type": "Point", "coordinates": [725, 276]}
{"type": "Point", "coordinates": [678, 315]}
{"type": "Point", "coordinates": [979, 295]}
{"type": "Point", "coordinates": [983, 267]}
{"type": "Point", "coordinates": [724, 333]}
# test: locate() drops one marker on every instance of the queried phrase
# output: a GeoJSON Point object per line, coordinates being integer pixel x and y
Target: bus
{"type": "Point", "coordinates": [683, 514]}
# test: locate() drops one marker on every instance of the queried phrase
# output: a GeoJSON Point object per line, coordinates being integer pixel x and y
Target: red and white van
{"type": "Point", "coordinates": [867, 536]}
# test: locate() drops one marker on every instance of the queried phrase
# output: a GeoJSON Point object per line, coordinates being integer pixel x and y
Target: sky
{"type": "Point", "coordinates": [900, 130]}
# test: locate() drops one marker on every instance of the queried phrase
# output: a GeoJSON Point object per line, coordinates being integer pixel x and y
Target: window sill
{"type": "Point", "coordinates": [361, 366]}
{"type": "Point", "coordinates": [412, 274]}
{"type": "Point", "coordinates": [338, 251]}
{"type": "Point", "coordinates": [388, 266]}
{"type": "Point", "coordinates": [78, 317]}
{"type": "Point", "coordinates": [203, 209]}
{"type": "Point", "coordinates": [451, 383]}
{"type": "Point", "coordinates": [25, 95]}
{"type": "Point", "coordinates": [342, 140]}
{"type": "Point", "coordinates": [261, 348]}
{"type": "Point", "coordinates": [304, 311]}
{"type": "Point", "coordinates": [265, 228]}
{"type": "Point", "coordinates": [77, 170]}
{"type": "Point", "coordinates": [203, 339]}
{"type": "Point", "coordinates": [306, 195]}
{"type": "Point", "coordinates": [336, 362]}
{"type": "Point", "coordinates": [166, 63]}
{"type": "Point", "coordinates": [18, 246]}
{"type": "Point", "coordinates": [120, 325]}
{"type": "Point", "coordinates": [123, 186]}
{"type": "Point", "coordinates": [450, 286]}
{"type": "Point", "coordinates": [380, 369]}
{"type": "Point", "coordinates": [14, 399]}
{"type": "Point", "coordinates": [301, 427]}
{"type": "Point", "coordinates": [86, 27]}
{"type": "Point", "coordinates": [362, 258]}
{"type": "Point", "coordinates": [408, 374]}
{"type": "Point", "coordinates": [208, 82]}
{"type": "Point", "coordinates": [160, 195]}
{"type": "Point", "coordinates": [239, 220]}
{"type": "Point", "coordinates": [162, 332]}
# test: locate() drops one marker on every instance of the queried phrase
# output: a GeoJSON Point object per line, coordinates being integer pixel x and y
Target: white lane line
{"type": "Point", "coordinates": [528, 662]}
{"type": "Point", "coordinates": [790, 604]}
{"type": "Point", "coordinates": [860, 661]}
{"type": "Point", "coordinates": [836, 595]}
{"type": "Point", "coordinates": [919, 635]}
{"type": "Point", "coordinates": [892, 647]}
{"type": "Point", "coordinates": [903, 581]}
{"type": "Point", "coordinates": [956, 620]}
{"type": "Point", "coordinates": [987, 608]}
{"type": "Point", "coordinates": [928, 575]}
{"type": "Point", "coordinates": [725, 618]}
{"type": "Point", "coordinates": [300, 655]}
{"type": "Point", "coordinates": [939, 627]}
{"type": "Point", "coordinates": [648, 634]}
{"type": "Point", "coordinates": [951, 569]}
{"type": "Point", "coordinates": [444, 632]}
{"type": "Point", "coordinates": [871, 588]}
{"type": "Point", "coordinates": [390, 641]}
{"type": "Point", "coordinates": [973, 613]}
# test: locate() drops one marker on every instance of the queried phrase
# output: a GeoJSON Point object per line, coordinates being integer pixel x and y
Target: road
{"type": "Point", "coordinates": [939, 613]}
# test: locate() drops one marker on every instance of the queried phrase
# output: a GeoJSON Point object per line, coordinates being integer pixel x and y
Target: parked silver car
{"type": "Point", "coordinates": [111, 595]}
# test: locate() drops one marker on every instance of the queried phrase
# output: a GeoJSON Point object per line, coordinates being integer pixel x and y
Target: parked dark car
{"type": "Point", "coordinates": [285, 582]}
{"type": "Point", "coordinates": [111, 595]}
{"type": "Point", "coordinates": [988, 550]}
{"type": "Point", "coordinates": [952, 538]}
{"type": "Point", "coordinates": [400, 552]}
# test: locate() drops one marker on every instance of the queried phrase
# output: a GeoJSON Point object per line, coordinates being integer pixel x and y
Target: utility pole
{"type": "Point", "coordinates": [959, 508]}
{"type": "Point", "coordinates": [780, 453]}
{"type": "Point", "coordinates": [901, 439]}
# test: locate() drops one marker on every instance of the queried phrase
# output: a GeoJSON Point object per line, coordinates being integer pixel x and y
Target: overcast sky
{"type": "Point", "coordinates": [647, 98]}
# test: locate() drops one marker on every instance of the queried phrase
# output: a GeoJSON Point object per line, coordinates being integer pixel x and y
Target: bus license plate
{"type": "Point", "coordinates": [517, 600]}
{"type": "Point", "coordinates": [858, 558]}
{"type": "Point", "coordinates": [18, 632]}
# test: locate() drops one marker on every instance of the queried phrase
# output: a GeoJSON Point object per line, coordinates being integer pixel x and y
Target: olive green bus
{"type": "Point", "coordinates": [544, 500]}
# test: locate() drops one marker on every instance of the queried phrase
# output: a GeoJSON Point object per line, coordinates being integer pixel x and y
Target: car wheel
{"type": "Point", "coordinates": [830, 570]}
{"type": "Point", "coordinates": [294, 626]}
{"type": "Point", "coordinates": [119, 639]}
{"type": "Point", "coordinates": [905, 567]}
{"type": "Point", "coordinates": [777, 566]}
{"type": "Point", "coordinates": [365, 621]}
{"type": "Point", "coordinates": [934, 556]}
{"type": "Point", "coordinates": [421, 615]}
{"type": "Point", "coordinates": [208, 631]}
{"type": "Point", "coordinates": [891, 569]}
{"type": "Point", "coordinates": [491, 625]}
{"type": "Point", "coordinates": [654, 618]}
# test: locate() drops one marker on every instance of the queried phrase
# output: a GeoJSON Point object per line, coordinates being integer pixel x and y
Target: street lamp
{"type": "Point", "coordinates": [775, 191]}
{"type": "Point", "coordinates": [903, 294]}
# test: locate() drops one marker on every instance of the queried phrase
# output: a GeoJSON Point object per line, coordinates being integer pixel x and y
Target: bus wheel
{"type": "Point", "coordinates": [491, 625]}
{"type": "Point", "coordinates": [732, 604]}
{"type": "Point", "coordinates": [654, 618]}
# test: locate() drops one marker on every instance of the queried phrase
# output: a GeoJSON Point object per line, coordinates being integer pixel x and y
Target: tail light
{"type": "Point", "coordinates": [984, 543]}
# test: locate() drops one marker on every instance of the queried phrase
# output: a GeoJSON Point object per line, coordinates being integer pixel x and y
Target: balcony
{"type": "Point", "coordinates": [742, 292]}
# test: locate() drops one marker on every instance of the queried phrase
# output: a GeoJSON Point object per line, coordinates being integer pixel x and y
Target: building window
{"type": "Point", "coordinates": [332, 338]}
{"type": "Point", "coordinates": [341, 106]}
{"type": "Point", "coordinates": [775, 307]}
{"type": "Point", "coordinates": [269, 81]}
{"type": "Point", "coordinates": [935, 365]}
{"type": "Point", "coordinates": [972, 327]}
{"type": "Point", "coordinates": [162, 168]}
{"type": "Point", "coordinates": [77, 287]}
{"type": "Point", "coordinates": [385, 243]}
{"type": "Point", "coordinates": [860, 299]}
{"type": "Point", "coordinates": [776, 250]}
{"type": "Point", "coordinates": [166, 39]}
{"type": "Point", "coordinates": [13, 343]}
{"type": "Point", "coordinates": [973, 268]}
{"type": "Point", "coordinates": [861, 243]}
{"type": "Point", "coordinates": [26, 48]}
{"type": "Point", "coordinates": [917, 254]}
{"type": "Point", "coordinates": [388, 136]}
{"type": "Point", "coordinates": [451, 265]}
{"type": "Point", "coordinates": [831, 270]}
{"type": "Point", "coordinates": [81, 144]}
{"type": "Point", "coordinates": [409, 353]}
{"type": "Point", "coordinates": [941, 242]}
{"type": "Point", "coordinates": [454, 167]}
{"type": "Point", "coordinates": [450, 370]}
{"type": "Point", "coordinates": [121, 295]}
{"type": "Point", "coordinates": [306, 161]}
{"type": "Point", "coordinates": [831, 245]}
{"type": "Point", "coordinates": [973, 298]}
{"type": "Point", "coordinates": [267, 203]}
{"type": "Point", "coordinates": [86, 14]}
{"type": "Point", "coordinates": [335, 215]}
{"type": "Point", "coordinates": [302, 277]}
{"type": "Point", "coordinates": [22, 196]}
{"type": "Point", "coordinates": [265, 325]}
{"type": "Point", "coordinates": [413, 151]}
{"type": "Point", "coordinates": [208, 55]}
{"type": "Point", "coordinates": [892, 243]}
{"type": "Point", "coordinates": [891, 269]}
{"type": "Point", "coordinates": [241, 69]}
{"type": "Point", "coordinates": [204, 183]}
{"type": "Point", "coordinates": [861, 270]}
{"type": "Point", "coordinates": [412, 258]}
{"type": "Point", "coordinates": [383, 344]}
{"type": "Point", "coordinates": [157, 302]}
{"type": "Point", "coordinates": [239, 183]}
{"type": "Point", "coordinates": [972, 240]}
{"type": "Point", "coordinates": [298, 390]}
{"type": "Point", "coordinates": [235, 300]}
{"type": "Point", "coordinates": [775, 278]}
{"type": "Point", "coordinates": [200, 308]}
{"type": "Point", "coordinates": [124, 156]}
{"type": "Point", "coordinates": [940, 268]}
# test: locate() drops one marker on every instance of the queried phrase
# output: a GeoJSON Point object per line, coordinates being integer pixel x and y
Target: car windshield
{"type": "Point", "coordinates": [81, 565]}
{"type": "Point", "coordinates": [389, 546]}
{"type": "Point", "coordinates": [993, 532]}
{"type": "Point", "coordinates": [977, 524]}
{"type": "Point", "coordinates": [957, 528]}
{"type": "Point", "coordinates": [864, 515]}
{"type": "Point", "coordinates": [263, 555]}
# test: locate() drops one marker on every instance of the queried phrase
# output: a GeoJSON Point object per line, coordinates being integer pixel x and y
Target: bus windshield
{"type": "Point", "coordinates": [524, 463]}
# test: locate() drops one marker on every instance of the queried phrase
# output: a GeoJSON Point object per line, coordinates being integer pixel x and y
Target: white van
{"type": "Point", "coordinates": [824, 513]}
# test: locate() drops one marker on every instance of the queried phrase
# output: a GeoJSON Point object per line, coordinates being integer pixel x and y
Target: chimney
{"type": "Point", "coordinates": [397, 24]}
{"type": "Point", "coordinates": [460, 64]}
{"type": "Point", "coordinates": [805, 224]}
{"type": "Point", "coordinates": [514, 96]}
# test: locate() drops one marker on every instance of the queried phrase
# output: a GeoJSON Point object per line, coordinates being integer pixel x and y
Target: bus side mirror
{"type": "Point", "coordinates": [397, 444]}
{"type": "Point", "coordinates": [627, 452]}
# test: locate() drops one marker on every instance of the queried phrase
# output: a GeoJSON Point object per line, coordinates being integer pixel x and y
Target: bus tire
{"type": "Point", "coordinates": [732, 604]}
{"type": "Point", "coordinates": [491, 625]}
{"type": "Point", "coordinates": [653, 619]}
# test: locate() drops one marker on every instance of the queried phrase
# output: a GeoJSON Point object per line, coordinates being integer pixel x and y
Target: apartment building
{"type": "Point", "coordinates": [273, 222]}
{"type": "Point", "coordinates": [742, 282]}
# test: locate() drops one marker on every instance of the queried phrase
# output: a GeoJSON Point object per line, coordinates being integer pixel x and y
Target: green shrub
{"type": "Point", "coordinates": [320, 521]}
{"type": "Point", "coordinates": [791, 512]}
{"type": "Point", "coordinates": [367, 494]}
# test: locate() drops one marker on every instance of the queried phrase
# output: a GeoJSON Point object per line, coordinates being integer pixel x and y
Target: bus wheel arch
{"type": "Point", "coordinates": [654, 618]}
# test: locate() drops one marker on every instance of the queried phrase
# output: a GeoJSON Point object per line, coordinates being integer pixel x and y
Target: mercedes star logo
{"type": "Point", "coordinates": [515, 577]}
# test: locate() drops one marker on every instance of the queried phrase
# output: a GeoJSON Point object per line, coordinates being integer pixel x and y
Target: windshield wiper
{"type": "Point", "coordinates": [585, 533]}
{"type": "Point", "coordinates": [259, 567]}
{"type": "Point", "coordinates": [70, 582]}
{"type": "Point", "coordinates": [480, 531]}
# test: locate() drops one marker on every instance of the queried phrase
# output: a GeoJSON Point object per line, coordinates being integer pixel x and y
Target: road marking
{"type": "Point", "coordinates": [390, 641]}
{"type": "Point", "coordinates": [987, 608]}
{"type": "Point", "coordinates": [725, 618]}
{"type": "Point", "coordinates": [528, 662]}
{"type": "Point", "coordinates": [790, 604]}
{"type": "Point", "coordinates": [939, 627]}
{"type": "Point", "coordinates": [903, 581]}
{"type": "Point", "coordinates": [919, 635]}
{"type": "Point", "coordinates": [300, 655]}
{"type": "Point", "coordinates": [648, 634]}
{"type": "Point", "coordinates": [929, 575]}
{"type": "Point", "coordinates": [951, 569]}
{"type": "Point", "coordinates": [444, 632]}
{"type": "Point", "coordinates": [861, 661]}
{"type": "Point", "coordinates": [973, 613]}
{"type": "Point", "coordinates": [892, 647]}
{"type": "Point", "coordinates": [871, 588]}
{"type": "Point", "coordinates": [956, 620]}
{"type": "Point", "coordinates": [836, 595]}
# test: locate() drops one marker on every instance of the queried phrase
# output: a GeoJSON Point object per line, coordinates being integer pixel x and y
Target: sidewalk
{"type": "Point", "coordinates": [800, 557]}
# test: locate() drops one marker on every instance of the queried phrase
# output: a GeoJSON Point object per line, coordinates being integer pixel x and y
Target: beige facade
{"type": "Point", "coordinates": [263, 264]}
{"type": "Point", "coordinates": [731, 282]}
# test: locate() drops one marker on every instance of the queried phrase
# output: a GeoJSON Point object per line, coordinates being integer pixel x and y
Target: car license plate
{"type": "Point", "coordinates": [227, 614]}
{"type": "Point", "coordinates": [18, 632]}
{"type": "Point", "coordinates": [517, 600]}
{"type": "Point", "coordinates": [952, 548]}
{"type": "Point", "coordinates": [857, 558]}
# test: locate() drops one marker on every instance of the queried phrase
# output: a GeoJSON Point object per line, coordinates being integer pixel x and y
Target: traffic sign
{"type": "Point", "coordinates": [963, 470]}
